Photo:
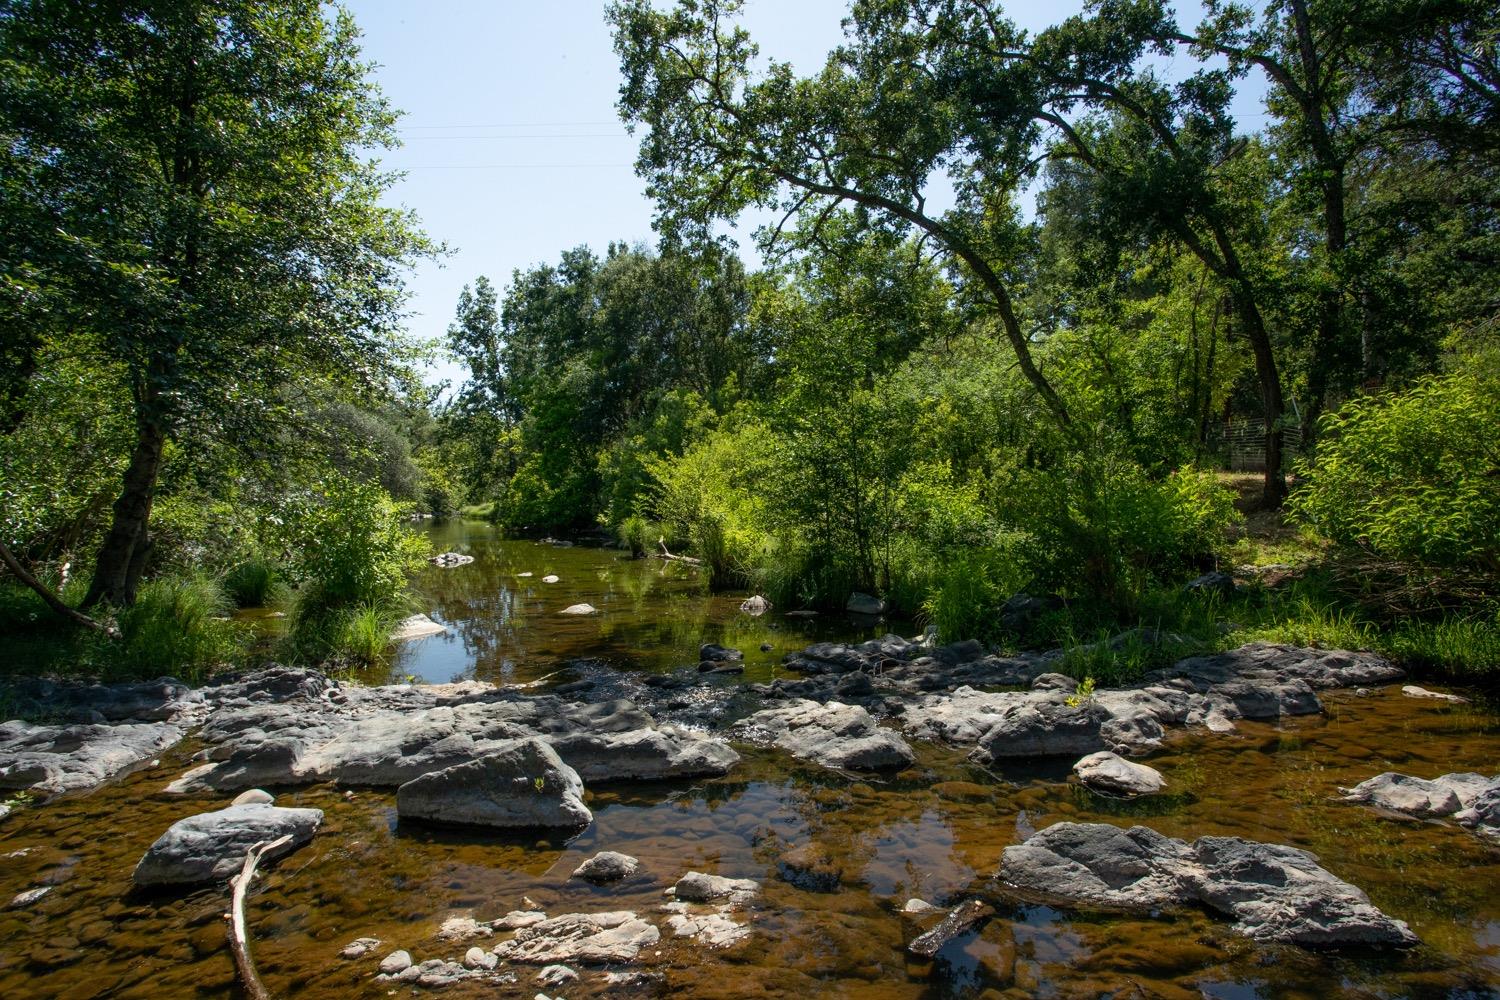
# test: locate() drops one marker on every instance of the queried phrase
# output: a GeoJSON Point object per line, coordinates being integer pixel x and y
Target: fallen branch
{"type": "Point", "coordinates": [52, 600]}
{"type": "Point", "coordinates": [239, 941]}
{"type": "Point", "coordinates": [671, 558]}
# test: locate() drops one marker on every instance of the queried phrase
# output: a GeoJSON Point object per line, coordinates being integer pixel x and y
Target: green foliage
{"type": "Point", "coordinates": [350, 544]}
{"type": "Point", "coordinates": [637, 535]}
{"type": "Point", "coordinates": [1467, 648]}
{"type": "Point", "coordinates": [962, 599]}
{"type": "Point", "coordinates": [1413, 475]}
{"type": "Point", "coordinates": [1082, 694]}
{"type": "Point", "coordinates": [178, 626]}
{"type": "Point", "coordinates": [254, 583]}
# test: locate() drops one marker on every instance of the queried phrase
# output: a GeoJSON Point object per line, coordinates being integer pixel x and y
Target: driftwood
{"type": "Point", "coordinates": [664, 554]}
{"type": "Point", "coordinates": [959, 921]}
{"type": "Point", "coordinates": [239, 940]}
{"type": "Point", "coordinates": [52, 600]}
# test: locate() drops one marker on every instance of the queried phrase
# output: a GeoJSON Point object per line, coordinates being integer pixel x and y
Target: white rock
{"type": "Point", "coordinates": [1109, 772]}
{"type": "Point", "coordinates": [478, 958]}
{"type": "Point", "coordinates": [696, 887]}
{"type": "Point", "coordinates": [516, 919]}
{"type": "Point", "coordinates": [29, 896]}
{"type": "Point", "coordinates": [359, 947]}
{"type": "Point", "coordinates": [462, 928]}
{"type": "Point", "coordinates": [556, 975]}
{"type": "Point", "coordinates": [416, 627]}
{"type": "Point", "coordinates": [550, 578]}
{"type": "Point", "coordinates": [607, 866]}
{"type": "Point", "coordinates": [1412, 691]}
{"type": "Point", "coordinates": [396, 962]}
{"type": "Point", "coordinates": [252, 797]}
{"type": "Point", "coordinates": [579, 609]}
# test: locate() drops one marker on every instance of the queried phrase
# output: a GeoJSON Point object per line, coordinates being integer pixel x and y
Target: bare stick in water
{"type": "Point", "coordinates": [239, 941]}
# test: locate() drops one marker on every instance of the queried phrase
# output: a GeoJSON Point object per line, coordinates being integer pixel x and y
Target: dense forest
{"type": "Point", "coordinates": [1022, 300]}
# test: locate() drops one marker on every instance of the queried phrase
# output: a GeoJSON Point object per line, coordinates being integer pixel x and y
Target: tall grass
{"type": "Point", "coordinates": [354, 635]}
{"type": "Point", "coordinates": [254, 583]}
{"type": "Point", "coordinates": [177, 626]}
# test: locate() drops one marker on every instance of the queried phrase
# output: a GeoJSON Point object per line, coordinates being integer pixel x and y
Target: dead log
{"type": "Point", "coordinates": [664, 554]}
{"type": "Point", "coordinates": [960, 919]}
{"type": "Point", "coordinates": [52, 600]}
{"type": "Point", "coordinates": [239, 940]}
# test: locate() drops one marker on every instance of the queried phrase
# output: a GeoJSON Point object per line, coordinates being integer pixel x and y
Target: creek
{"type": "Point", "coordinates": [934, 831]}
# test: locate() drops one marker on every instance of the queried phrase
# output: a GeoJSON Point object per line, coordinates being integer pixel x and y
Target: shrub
{"type": "Point", "coordinates": [1412, 475]}
{"type": "Point", "coordinates": [254, 583]}
{"type": "Point", "coordinates": [963, 598]}
{"type": "Point", "coordinates": [357, 635]}
{"type": "Point", "coordinates": [177, 626]}
{"type": "Point", "coordinates": [637, 535]}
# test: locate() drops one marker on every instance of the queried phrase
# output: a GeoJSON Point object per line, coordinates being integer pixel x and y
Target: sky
{"type": "Point", "coordinates": [513, 151]}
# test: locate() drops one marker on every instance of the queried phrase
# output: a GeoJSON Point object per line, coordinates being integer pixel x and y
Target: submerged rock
{"type": "Point", "coordinates": [607, 866]}
{"type": "Point", "coordinates": [1472, 800]}
{"type": "Point", "coordinates": [958, 921]}
{"type": "Point", "coordinates": [522, 785]}
{"type": "Point", "coordinates": [448, 560]}
{"type": "Point", "coordinates": [591, 938]}
{"type": "Point", "coordinates": [843, 737]}
{"type": "Point", "coordinates": [74, 758]}
{"type": "Point", "coordinates": [697, 887]}
{"type": "Point", "coordinates": [1109, 772]}
{"type": "Point", "coordinates": [1271, 893]}
{"type": "Point", "coordinates": [211, 846]}
{"type": "Point", "coordinates": [416, 627]}
{"type": "Point", "coordinates": [811, 867]}
{"type": "Point", "coordinates": [579, 609]}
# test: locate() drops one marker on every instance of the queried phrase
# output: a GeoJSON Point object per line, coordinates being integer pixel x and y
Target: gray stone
{"type": "Point", "coordinates": [462, 929]}
{"type": "Point", "coordinates": [665, 752]}
{"type": "Point", "coordinates": [711, 653]}
{"type": "Point", "coordinates": [755, 606]}
{"type": "Point", "coordinates": [23, 899]}
{"type": "Point", "coordinates": [359, 947]}
{"type": "Point", "coordinates": [1271, 893]}
{"type": "Point", "coordinates": [478, 958]}
{"type": "Point", "coordinates": [73, 758]}
{"type": "Point", "coordinates": [516, 919]}
{"type": "Point", "coordinates": [253, 797]}
{"type": "Point", "coordinates": [524, 784]}
{"type": "Point", "coordinates": [920, 906]}
{"type": "Point", "coordinates": [1043, 729]}
{"type": "Point", "coordinates": [959, 920]}
{"type": "Point", "coordinates": [1217, 582]}
{"type": "Point", "coordinates": [697, 887]}
{"type": "Point", "coordinates": [1111, 773]}
{"type": "Point", "coordinates": [843, 737]}
{"type": "Point", "coordinates": [416, 627]}
{"type": "Point", "coordinates": [713, 929]}
{"type": "Point", "coordinates": [448, 560]}
{"type": "Point", "coordinates": [607, 866]}
{"type": "Point", "coordinates": [1404, 794]}
{"type": "Point", "coordinates": [1413, 691]}
{"type": "Point", "coordinates": [579, 609]}
{"type": "Point", "coordinates": [556, 975]}
{"type": "Point", "coordinates": [864, 604]}
{"type": "Point", "coordinates": [395, 962]}
{"type": "Point", "coordinates": [590, 938]}
{"type": "Point", "coordinates": [210, 847]}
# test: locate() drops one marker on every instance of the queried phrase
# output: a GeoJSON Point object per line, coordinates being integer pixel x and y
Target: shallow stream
{"type": "Point", "coordinates": [935, 831]}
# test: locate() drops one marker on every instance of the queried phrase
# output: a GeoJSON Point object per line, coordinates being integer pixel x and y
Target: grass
{"type": "Point", "coordinates": [340, 637]}
{"type": "Point", "coordinates": [177, 626]}
{"type": "Point", "coordinates": [480, 511]}
{"type": "Point", "coordinates": [255, 583]}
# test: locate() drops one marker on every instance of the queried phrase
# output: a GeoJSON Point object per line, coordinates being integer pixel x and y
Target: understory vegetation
{"type": "Point", "coordinates": [1034, 391]}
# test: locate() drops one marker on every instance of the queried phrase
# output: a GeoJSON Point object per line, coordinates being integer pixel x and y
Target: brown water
{"type": "Point", "coordinates": [935, 831]}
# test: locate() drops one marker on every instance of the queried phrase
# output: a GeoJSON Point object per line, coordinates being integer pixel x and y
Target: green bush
{"type": "Point", "coordinates": [1412, 475]}
{"type": "Point", "coordinates": [178, 626]}
{"type": "Point", "coordinates": [963, 598]}
{"type": "Point", "coordinates": [637, 535]}
{"type": "Point", "coordinates": [355, 635]}
{"type": "Point", "coordinates": [254, 583]}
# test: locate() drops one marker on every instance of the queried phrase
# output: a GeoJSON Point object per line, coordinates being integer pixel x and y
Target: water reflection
{"type": "Point", "coordinates": [653, 615]}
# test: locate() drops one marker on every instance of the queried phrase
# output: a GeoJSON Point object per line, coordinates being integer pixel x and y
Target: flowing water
{"type": "Point", "coordinates": [935, 831]}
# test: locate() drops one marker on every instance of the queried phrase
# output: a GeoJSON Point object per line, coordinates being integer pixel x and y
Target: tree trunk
{"type": "Point", "coordinates": [1273, 491]}
{"type": "Point", "coordinates": [121, 559]}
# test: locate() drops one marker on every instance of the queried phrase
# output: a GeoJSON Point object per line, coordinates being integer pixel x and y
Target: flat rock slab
{"type": "Point", "coordinates": [838, 736]}
{"type": "Point", "coordinates": [210, 847]}
{"type": "Point", "coordinates": [656, 754]}
{"type": "Point", "coordinates": [607, 866]}
{"type": "Point", "coordinates": [1472, 800]}
{"type": "Point", "coordinates": [713, 928]}
{"type": "Point", "coordinates": [1270, 893]}
{"type": "Point", "coordinates": [1413, 691]}
{"type": "Point", "coordinates": [1113, 774]}
{"type": "Point", "coordinates": [74, 758]}
{"type": "Point", "coordinates": [697, 887]}
{"type": "Point", "coordinates": [165, 699]}
{"type": "Point", "coordinates": [416, 627]}
{"type": "Point", "coordinates": [522, 785]}
{"type": "Point", "coordinates": [590, 938]}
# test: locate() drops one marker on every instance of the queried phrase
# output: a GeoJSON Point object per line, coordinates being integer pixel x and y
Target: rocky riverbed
{"type": "Point", "coordinates": [886, 812]}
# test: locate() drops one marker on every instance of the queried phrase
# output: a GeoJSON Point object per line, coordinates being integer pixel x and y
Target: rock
{"type": "Point", "coordinates": [416, 627]}
{"type": "Point", "coordinates": [755, 606]}
{"type": "Point", "coordinates": [804, 613]}
{"type": "Point", "coordinates": [73, 758]}
{"type": "Point", "coordinates": [395, 962]}
{"type": "Point", "coordinates": [550, 578]}
{"type": "Point", "coordinates": [696, 887]}
{"type": "Point", "coordinates": [359, 947]}
{"type": "Point", "coordinates": [711, 653]}
{"type": "Point", "coordinates": [1044, 729]}
{"type": "Point", "coordinates": [4, 810]}
{"type": "Point", "coordinates": [1404, 794]}
{"type": "Point", "coordinates": [1217, 582]}
{"type": "Point", "coordinates": [448, 560]}
{"type": "Point", "coordinates": [525, 575]}
{"type": "Point", "coordinates": [524, 784]}
{"type": "Point", "coordinates": [556, 975]}
{"type": "Point", "coordinates": [593, 938]}
{"type": "Point", "coordinates": [1022, 611]}
{"type": "Point", "coordinates": [960, 920]}
{"type": "Point", "coordinates": [462, 929]}
{"type": "Point", "coordinates": [864, 604]}
{"type": "Point", "coordinates": [766, 647]}
{"type": "Point", "coordinates": [607, 866]}
{"type": "Point", "coordinates": [253, 797]}
{"type": "Point", "coordinates": [1412, 691]}
{"type": "Point", "coordinates": [477, 958]}
{"type": "Point", "coordinates": [28, 897]}
{"type": "Point", "coordinates": [811, 867]}
{"type": "Point", "coordinates": [1271, 893]}
{"type": "Point", "coordinates": [435, 972]}
{"type": "Point", "coordinates": [516, 919]}
{"type": "Point", "coordinates": [715, 929]}
{"type": "Point", "coordinates": [579, 609]}
{"type": "Point", "coordinates": [646, 754]}
{"type": "Point", "coordinates": [1054, 682]}
{"type": "Point", "coordinates": [920, 906]}
{"type": "Point", "coordinates": [843, 737]}
{"type": "Point", "coordinates": [210, 847]}
{"type": "Point", "coordinates": [1111, 773]}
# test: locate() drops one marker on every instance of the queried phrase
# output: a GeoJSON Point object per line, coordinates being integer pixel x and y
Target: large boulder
{"type": "Point", "coordinates": [698, 887]}
{"type": "Point", "coordinates": [1271, 893]}
{"type": "Point", "coordinates": [864, 604]}
{"type": "Point", "coordinates": [1110, 773]}
{"type": "Point", "coordinates": [524, 784]}
{"type": "Point", "coordinates": [211, 847]}
{"type": "Point", "coordinates": [1044, 729]}
{"type": "Point", "coordinates": [645, 754]}
{"type": "Point", "coordinates": [75, 758]}
{"type": "Point", "coordinates": [843, 737]}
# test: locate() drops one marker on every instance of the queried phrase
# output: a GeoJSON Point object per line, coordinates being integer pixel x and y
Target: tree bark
{"type": "Point", "coordinates": [121, 559]}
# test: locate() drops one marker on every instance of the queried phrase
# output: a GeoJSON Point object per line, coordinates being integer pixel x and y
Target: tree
{"type": "Point", "coordinates": [199, 176]}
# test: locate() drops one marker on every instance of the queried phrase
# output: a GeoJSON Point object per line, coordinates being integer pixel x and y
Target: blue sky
{"type": "Point", "coordinates": [513, 151]}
